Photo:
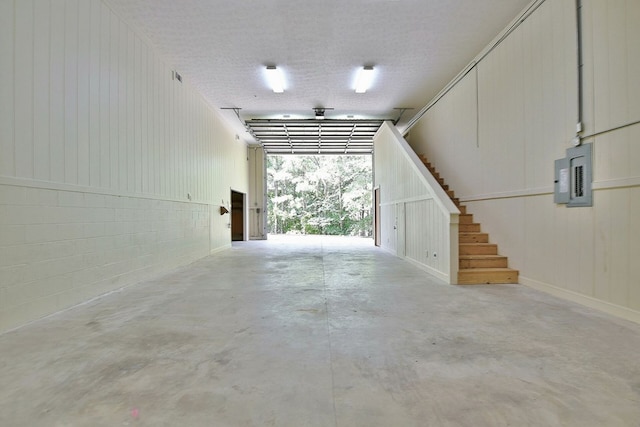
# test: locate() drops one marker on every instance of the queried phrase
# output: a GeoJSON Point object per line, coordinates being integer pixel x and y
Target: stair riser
{"type": "Point", "coordinates": [484, 263]}
{"type": "Point", "coordinates": [471, 228]}
{"type": "Point", "coordinates": [466, 218]}
{"type": "Point", "coordinates": [479, 278]}
{"type": "Point", "coordinates": [486, 249]}
{"type": "Point", "coordinates": [473, 238]}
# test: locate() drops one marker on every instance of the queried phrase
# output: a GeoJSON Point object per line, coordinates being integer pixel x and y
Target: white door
{"type": "Point", "coordinates": [400, 229]}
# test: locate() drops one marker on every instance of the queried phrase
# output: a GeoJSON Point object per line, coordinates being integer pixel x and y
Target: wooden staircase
{"type": "Point", "coordinates": [479, 262]}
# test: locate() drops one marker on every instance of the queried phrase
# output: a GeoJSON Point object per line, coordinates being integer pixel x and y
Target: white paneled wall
{"type": "Point", "coordinates": [414, 223]}
{"type": "Point", "coordinates": [257, 193]}
{"type": "Point", "coordinates": [428, 230]}
{"type": "Point", "coordinates": [496, 134]}
{"type": "Point", "coordinates": [613, 62]}
{"type": "Point", "coordinates": [110, 169]}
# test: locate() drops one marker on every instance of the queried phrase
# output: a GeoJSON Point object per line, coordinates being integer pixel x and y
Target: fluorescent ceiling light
{"type": "Point", "coordinates": [364, 79]}
{"type": "Point", "coordinates": [275, 78]}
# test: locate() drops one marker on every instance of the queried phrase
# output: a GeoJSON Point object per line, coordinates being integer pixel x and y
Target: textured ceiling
{"type": "Point", "coordinates": [222, 46]}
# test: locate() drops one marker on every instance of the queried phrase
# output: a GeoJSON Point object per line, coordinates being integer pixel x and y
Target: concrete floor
{"type": "Point", "coordinates": [320, 332]}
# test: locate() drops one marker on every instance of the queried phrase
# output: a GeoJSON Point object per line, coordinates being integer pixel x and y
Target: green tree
{"type": "Point", "coordinates": [319, 195]}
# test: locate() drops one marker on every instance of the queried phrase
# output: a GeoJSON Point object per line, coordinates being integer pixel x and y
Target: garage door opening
{"type": "Point", "coordinates": [320, 194]}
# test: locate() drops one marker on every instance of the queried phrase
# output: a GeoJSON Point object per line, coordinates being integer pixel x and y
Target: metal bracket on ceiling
{"type": "Point", "coordinates": [320, 112]}
{"type": "Point", "coordinates": [402, 111]}
{"type": "Point", "coordinates": [246, 126]}
{"type": "Point", "coordinates": [235, 110]}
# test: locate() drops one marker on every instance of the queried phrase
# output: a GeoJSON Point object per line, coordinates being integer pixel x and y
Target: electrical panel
{"type": "Point", "coordinates": [573, 177]}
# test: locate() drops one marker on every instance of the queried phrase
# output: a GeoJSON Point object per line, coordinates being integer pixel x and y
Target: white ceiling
{"type": "Point", "coordinates": [222, 46]}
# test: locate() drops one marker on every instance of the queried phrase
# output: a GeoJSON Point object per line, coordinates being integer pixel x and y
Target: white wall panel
{"type": "Point", "coordinates": [526, 117]}
{"type": "Point", "coordinates": [23, 89]}
{"type": "Point", "coordinates": [41, 103]}
{"type": "Point", "coordinates": [114, 102]}
{"type": "Point", "coordinates": [426, 244]}
{"type": "Point", "coordinates": [94, 75]}
{"type": "Point", "coordinates": [7, 146]}
{"type": "Point", "coordinates": [107, 146]}
{"type": "Point", "coordinates": [57, 92]}
{"type": "Point", "coordinates": [257, 193]}
{"type": "Point", "coordinates": [71, 92]}
{"type": "Point", "coordinates": [613, 49]}
{"type": "Point", "coordinates": [83, 70]}
{"type": "Point", "coordinates": [453, 123]}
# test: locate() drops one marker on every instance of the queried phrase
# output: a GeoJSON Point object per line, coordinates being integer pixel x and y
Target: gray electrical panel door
{"type": "Point", "coordinates": [580, 176]}
{"type": "Point", "coordinates": [562, 181]}
{"type": "Point", "coordinates": [573, 176]}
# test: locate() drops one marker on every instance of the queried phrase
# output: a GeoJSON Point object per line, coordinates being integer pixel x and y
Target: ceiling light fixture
{"type": "Point", "coordinates": [364, 79]}
{"type": "Point", "coordinates": [275, 78]}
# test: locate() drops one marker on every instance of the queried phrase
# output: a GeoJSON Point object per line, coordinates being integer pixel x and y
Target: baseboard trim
{"type": "Point", "coordinates": [220, 249]}
{"type": "Point", "coordinates": [440, 275]}
{"type": "Point", "coordinates": [607, 307]}
{"type": "Point", "coordinates": [436, 273]}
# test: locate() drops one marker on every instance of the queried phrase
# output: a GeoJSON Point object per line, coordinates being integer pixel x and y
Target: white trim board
{"type": "Point", "coordinates": [543, 191]}
{"type": "Point", "coordinates": [607, 307]}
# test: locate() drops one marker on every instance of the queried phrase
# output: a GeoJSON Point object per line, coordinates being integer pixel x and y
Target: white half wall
{"type": "Point", "coordinates": [418, 221]}
{"type": "Point", "coordinates": [495, 135]}
{"type": "Point", "coordinates": [111, 170]}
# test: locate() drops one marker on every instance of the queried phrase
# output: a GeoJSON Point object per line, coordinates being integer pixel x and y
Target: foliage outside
{"type": "Point", "coordinates": [319, 195]}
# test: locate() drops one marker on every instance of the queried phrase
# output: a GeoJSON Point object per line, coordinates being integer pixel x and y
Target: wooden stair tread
{"type": "Point", "coordinates": [469, 228]}
{"type": "Point", "coordinates": [481, 256]}
{"type": "Point", "coordinates": [466, 218]}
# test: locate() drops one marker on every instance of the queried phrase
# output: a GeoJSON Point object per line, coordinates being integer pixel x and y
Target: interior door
{"type": "Point", "coordinates": [400, 229]}
{"type": "Point", "coordinates": [376, 216]}
{"type": "Point", "coordinates": [237, 216]}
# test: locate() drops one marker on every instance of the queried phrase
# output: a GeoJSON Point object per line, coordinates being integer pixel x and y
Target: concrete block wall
{"type": "Point", "coordinates": [111, 171]}
{"type": "Point", "coordinates": [60, 248]}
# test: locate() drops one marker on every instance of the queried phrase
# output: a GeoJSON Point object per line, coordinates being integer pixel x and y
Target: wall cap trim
{"type": "Point", "coordinates": [48, 185]}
